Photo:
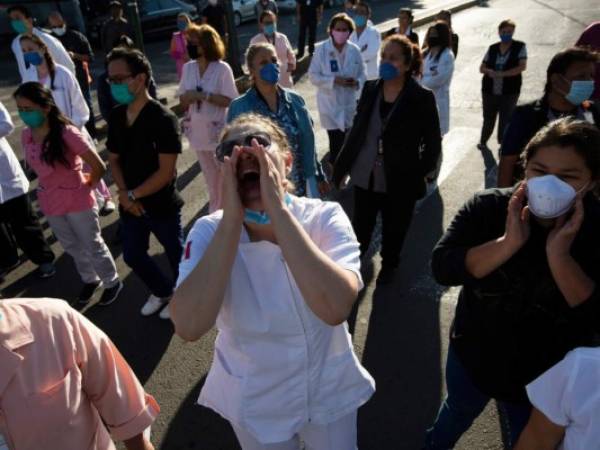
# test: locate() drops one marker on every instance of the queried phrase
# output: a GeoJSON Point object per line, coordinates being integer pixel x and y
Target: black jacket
{"type": "Point", "coordinates": [412, 36]}
{"type": "Point", "coordinates": [411, 140]}
{"type": "Point", "coordinates": [514, 324]}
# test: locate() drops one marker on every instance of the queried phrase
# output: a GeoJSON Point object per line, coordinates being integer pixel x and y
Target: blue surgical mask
{"type": "Point", "coordinates": [181, 25]}
{"type": "Point", "coordinates": [19, 26]}
{"type": "Point", "coordinates": [270, 73]}
{"type": "Point", "coordinates": [360, 21]}
{"type": "Point", "coordinates": [121, 93]}
{"type": "Point", "coordinates": [270, 29]}
{"type": "Point", "coordinates": [33, 58]}
{"type": "Point", "coordinates": [262, 218]}
{"type": "Point", "coordinates": [388, 71]}
{"type": "Point", "coordinates": [506, 37]}
{"type": "Point", "coordinates": [581, 90]}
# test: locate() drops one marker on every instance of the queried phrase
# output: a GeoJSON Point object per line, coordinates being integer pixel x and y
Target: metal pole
{"type": "Point", "coordinates": [233, 46]}
{"type": "Point", "coordinates": [133, 16]}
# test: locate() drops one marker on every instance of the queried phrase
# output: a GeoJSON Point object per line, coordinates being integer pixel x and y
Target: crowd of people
{"type": "Point", "coordinates": [275, 265]}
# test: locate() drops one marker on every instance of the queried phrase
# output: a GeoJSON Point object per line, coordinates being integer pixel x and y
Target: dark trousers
{"type": "Point", "coordinates": [336, 141]}
{"type": "Point", "coordinates": [463, 404]}
{"type": "Point", "coordinates": [310, 23]}
{"type": "Point", "coordinates": [19, 225]}
{"type": "Point", "coordinates": [135, 235]}
{"type": "Point", "coordinates": [496, 105]}
{"type": "Point", "coordinates": [91, 123]}
{"type": "Point", "coordinates": [396, 215]}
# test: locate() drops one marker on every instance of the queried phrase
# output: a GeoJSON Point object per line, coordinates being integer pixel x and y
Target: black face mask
{"type": "Point", "coordinates": [192, 51]}
{"type": "Point", "coordinates": [433, 41]}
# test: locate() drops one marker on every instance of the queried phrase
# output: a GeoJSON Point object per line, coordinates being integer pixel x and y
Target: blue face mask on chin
{"type": "Point", "coordinates": [262, 218]}
{"type": "Point", "coordinates": [270, 73]}
{"type": "Point", "coordinates": [581, 90]}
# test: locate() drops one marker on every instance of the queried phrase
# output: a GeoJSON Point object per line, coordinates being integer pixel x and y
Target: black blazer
{"type": "Point", "coordinates": [411, 141]}
{"type": "Point", "coordinates": [412, 36]}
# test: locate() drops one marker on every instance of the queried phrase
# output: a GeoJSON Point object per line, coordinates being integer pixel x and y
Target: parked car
{"type": "Point", "coordinates": [156, 16]}
{"type": "Point", "coordinates": [243, 10]}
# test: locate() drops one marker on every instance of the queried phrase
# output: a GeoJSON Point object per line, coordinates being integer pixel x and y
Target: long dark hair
{"type": "Point", "coordinates": [445, 37]}
{"type": "Point", "coordinates": [53, 147]}
{"type": "Point", "coordinates": [47, 56]}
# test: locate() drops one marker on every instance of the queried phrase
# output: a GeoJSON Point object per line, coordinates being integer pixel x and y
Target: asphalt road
{"type": "Point", "coordinates": [401, 329]}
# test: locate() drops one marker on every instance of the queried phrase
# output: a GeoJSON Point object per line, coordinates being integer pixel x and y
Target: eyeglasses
{"type": "Point", "coordinates": [119, 80]}
{"type": "Point", "coordinates": [225, 148]}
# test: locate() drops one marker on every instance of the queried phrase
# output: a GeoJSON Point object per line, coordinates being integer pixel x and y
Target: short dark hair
{"type": "Point", "coordinates": [135, 60]}
{"type": "Point", "coordinates": [19, 8]}
{"type": "Point", "coordinates": [364, 5]}
{"type": "Point", "coordinates": [561, 62]}
{"type": "Point", "coordinates": [341, 17]}
{"type": "Point", "coordinates": [408, 12]}
{"type": "Point", "coordinates": [507, 23]}
{"type": "Point", "coordinates": [267, 13]}
{"type": "Point", "coordinates": [569, 132]}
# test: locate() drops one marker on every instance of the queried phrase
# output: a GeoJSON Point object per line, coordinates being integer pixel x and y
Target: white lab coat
{"type": "Point", "coordinates": [13, 182]}
{"type": "Point", "coordinates": [437, 76]}
{"type": "Point", "coordinates": [277, 366]}
{"type": "Point", "coordinates": [336, 104]}
{"type": "Point", "coordinates": [67, 94]}
{"type": "Point", "coordinates": [55, 47]}
{"type": "Point", "coordinates": [369, 43]}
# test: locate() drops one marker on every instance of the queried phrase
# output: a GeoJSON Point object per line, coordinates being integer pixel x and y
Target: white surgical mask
{"type": "Point", "coordinates": [59, 31]}
{"type": "Point", "coordinates": [549, 196]}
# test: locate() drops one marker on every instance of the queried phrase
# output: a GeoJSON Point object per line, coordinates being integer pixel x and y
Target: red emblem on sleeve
{"type": "Point", "coordinates": [188, 250]}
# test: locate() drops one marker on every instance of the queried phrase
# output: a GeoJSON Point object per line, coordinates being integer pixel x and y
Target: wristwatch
{"type": "Point", "coordinates": [130, 196]}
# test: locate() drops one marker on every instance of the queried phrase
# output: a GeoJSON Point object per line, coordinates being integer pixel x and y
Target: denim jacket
{"type": "Point", "coordinates": [295, 105]}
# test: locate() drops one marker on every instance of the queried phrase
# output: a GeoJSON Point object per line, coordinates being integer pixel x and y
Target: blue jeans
{"type": "Point", "coordinates": [463, 404]}
{"type": "Point", "coordinates": [135, 235]}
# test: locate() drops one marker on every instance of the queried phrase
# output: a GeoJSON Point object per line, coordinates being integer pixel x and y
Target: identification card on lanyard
{"type": "Point", "coordinates": [384, 123]}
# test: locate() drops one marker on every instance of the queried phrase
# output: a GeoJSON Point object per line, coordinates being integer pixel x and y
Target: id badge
{"type": "Point", "coordinates": [334, 65]}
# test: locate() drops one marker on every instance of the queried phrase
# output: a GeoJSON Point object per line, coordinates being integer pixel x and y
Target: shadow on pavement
{"type": "Point", "coordinates": [402, 350]}
{"type": "Point", "coordinates": [195, 427]}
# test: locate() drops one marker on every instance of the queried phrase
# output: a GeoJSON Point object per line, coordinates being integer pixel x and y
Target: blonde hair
{"type": "Point", "coordinates": [255, 49]}
{"type": "Point", "coordinates": [208, 38]}
{"type": "Point", "coordinates": [259, 123]}
{"type": "Point", "coordinates": [341, 17]}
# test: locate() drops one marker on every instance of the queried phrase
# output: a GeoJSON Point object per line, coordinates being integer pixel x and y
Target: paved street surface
{"type": "Point", "coordinates": [401, 329]}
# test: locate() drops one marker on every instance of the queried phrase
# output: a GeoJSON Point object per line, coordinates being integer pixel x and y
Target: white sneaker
{"type": "Point", "coordinates": [153, 304]}
{"type": "Point", "coordinates": [165, 313]}
{"type": "Point", "coordinates": [108, 207]}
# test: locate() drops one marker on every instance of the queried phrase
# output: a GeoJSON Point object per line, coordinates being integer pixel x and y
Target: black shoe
{"type": "Point", "coordinates": [87, 292]}
{"type": "Point", "coordinates": [110, 294]}
{"type": "Point", "coordinates": [386, 275]}
{"type": "Point", "coordinates": [46, 270]}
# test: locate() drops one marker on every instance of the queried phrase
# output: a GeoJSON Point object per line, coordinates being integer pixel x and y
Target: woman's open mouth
{"type": "Point", "coordinates": [248, 175]}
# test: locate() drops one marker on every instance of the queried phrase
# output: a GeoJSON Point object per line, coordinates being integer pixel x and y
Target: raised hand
{"type": "Point", "coordinates": [232, 205]}
{"type": "Point", "coordinates": [517, 229]}
{"type": "Point", "coordinates": [565, 229]}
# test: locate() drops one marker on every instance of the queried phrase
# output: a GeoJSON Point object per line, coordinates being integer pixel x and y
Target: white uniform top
{"type": "Point", "coordinates": [277, 366]}
{"type": "Point", "coordinates": [13, 182]}
{"type": "Point", "coordinates": [437, 76]}
{"type": "Point", "coordinates": [569, 395]}
{"type": "Point", "coordinates": [57, 51]}
{"type": "Point", "coordinates": [67, 94]}
{"type": "Point", "coordinates": [369, 42]}
{"type": "Point", "coordinates": [336, 104]}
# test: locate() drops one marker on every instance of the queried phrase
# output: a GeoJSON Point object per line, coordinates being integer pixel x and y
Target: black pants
{"type": "Point", "coordinates": [336, 140]}
{"type": "Point", "coordinates": [20, 226]}
{"type": "Point", "coordinates": [310, 23]}
{"type": "Point", "coordinates": [496, 105]}
{"type": "Point", "coordinates": [396, 215]}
